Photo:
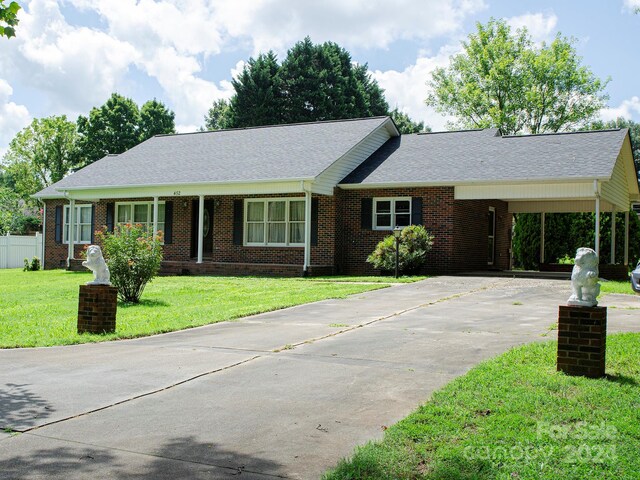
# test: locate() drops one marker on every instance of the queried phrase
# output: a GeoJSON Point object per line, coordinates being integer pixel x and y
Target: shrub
{"type": "Point", "coordinates": [133, 256]}
{"type": "Point", "coordinates": [415, 243]}
{"type": "Point", "coordinates": [31, 266]}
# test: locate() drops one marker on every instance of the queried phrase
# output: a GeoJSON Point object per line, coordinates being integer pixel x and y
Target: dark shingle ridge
{"type": "Point", "coordinates": [256, 127]}
{"type": "Point", "coordinates": [555, 134]}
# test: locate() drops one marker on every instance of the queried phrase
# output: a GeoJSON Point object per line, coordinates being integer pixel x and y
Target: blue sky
{"type": "Point", "coordinates": [69, 55]}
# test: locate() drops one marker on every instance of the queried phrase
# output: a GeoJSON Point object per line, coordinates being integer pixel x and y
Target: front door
{"type": "Point", "coordinates": [207, 245]}
{"type": "Point", "coordinates": [491, 236]}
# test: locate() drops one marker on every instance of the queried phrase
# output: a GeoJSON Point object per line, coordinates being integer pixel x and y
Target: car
{"type": "Point", "coordinates": [635, 279]}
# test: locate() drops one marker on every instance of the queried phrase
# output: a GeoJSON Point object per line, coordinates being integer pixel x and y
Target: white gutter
{"type": "Point", "coordinates": [307, 227]}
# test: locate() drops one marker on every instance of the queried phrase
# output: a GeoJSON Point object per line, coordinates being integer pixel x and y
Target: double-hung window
{"type": "Point", "coordinates": [389, 213]}
{"type": "Point", "coordinates": [82, 224]}
{"type": "Point", "coordinates": [276, 222]}
{"type": "Point", "coordinates": [139, 213]}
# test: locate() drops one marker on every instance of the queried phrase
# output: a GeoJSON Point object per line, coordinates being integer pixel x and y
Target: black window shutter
{"type": "Point", "coordinates": [110, 215]}
{"type": "Point", "coordinates": [238, 214]}
{"type": "Point", "coordinates": [366, 213]}
{"type": "Point", "coordinates": [416, 211]}
{"type": "Point", "coordinates": [314, 222]}
{"type": "Point", "coordinates": [93, 223]}
{"type": "Point", "coordinates": [59, 224]}
{"type": "Point", "coordinates": [168, 223]}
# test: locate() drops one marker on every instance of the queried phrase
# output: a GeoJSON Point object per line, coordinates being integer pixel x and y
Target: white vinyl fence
{"type": "Point", "coordinates": [15, 248]}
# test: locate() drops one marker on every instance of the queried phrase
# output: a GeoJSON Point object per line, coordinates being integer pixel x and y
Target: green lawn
{"type": "Point", "coordinates": [515, 417]}
{"type": "Point", "coordinates": [40, 308]}
{"type": "Point", "coordinates": [612, 286]}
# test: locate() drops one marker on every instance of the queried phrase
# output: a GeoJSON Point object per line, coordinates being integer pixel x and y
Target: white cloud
{"type": "Point", "coordinates": [632, 4]}
{"type": "Point", "coordinates": [276, 24]}
{"type": "Point", "coordinates": [408, 89]}
{"type": "Point", "coordinates": [13, 117]}
{"type": "Point", "coordinates": [540, 26]}
{"type": "Point", "coordinates": [628, 109]}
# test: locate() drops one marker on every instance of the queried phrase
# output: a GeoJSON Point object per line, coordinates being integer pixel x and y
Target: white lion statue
{"type": "Point", "coordinates": [95, 262]}
{"type": "Point", "coordinates": [584, 279]}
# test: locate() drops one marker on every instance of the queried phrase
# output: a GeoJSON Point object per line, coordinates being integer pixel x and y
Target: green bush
{"type": "Point", "coordinates": [31, 266]}
{"type": "Point", "coordinates": [133, 256]}
{"type": "Point", "coordinates": [415, 243]}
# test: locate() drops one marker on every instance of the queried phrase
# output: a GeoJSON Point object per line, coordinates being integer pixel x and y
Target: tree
{"type": "Point", "coordinates": [8, 18]}
{"type": "Point", "coordinates": [405, 124]}
{"type": "Point", "coordinates": [503, 80]}
{"type": "Point", "coordinates": [258, 97]}
{"type": "Point", "coordinates": [314, 82]}
{"type": "Point", "coordinates": [112, 128]}
{"type": "Point", "coordinates": [219, 116]}
{"type": "Point", "coordinates": [41, 154]}
{"type": "Point", "coordinates": [156, 119]}
{"type": "Point", "coordinates": [320, 82]}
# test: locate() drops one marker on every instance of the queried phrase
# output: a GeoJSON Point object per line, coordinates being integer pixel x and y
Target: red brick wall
{"type": "Point", "coordinates": [459, 228]}
{"type": "Point", "coordinates": [223, 248]}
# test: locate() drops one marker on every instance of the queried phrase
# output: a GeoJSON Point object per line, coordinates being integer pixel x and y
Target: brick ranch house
{"type": "Point", "coordinates": [315, 198]}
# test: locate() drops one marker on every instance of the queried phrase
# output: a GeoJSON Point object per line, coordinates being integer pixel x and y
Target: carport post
{"type": "Point", "coordinates": [613, 237]}
{"type": "Point", "coordinates": [72, 229]}
{"type": "Point", "coordinates": [200, 226]}
{"type": "Point", "coordinates": [626, 237]}
{"type": "Point", "coordinates": [542, 222]}
{"type": "Point", "coordinates": [597, 238]}
{"type": "Point", "coordinates": [155, 216]}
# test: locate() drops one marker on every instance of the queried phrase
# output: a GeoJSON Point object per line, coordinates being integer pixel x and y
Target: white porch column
{"type": "Point", "coordinates": [542, 222]}
{"type": "Point", "coordinates": [200, 226]}
{"type": "Point", "coordinates": [613, 237]}
{"type": "Point", "coordinates": [626, 237]}
{"type": "Point", "coordinates": [72, 229]}
{"type": "Point", "coordinates": [155, 216]}
{"type": "Point", "coordinates": [597, 237]}
{"type": "Point", "coordinates": [307, 230]}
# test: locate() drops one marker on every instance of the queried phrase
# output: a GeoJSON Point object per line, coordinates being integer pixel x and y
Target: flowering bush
{"type": "Point", "coordinates": [415, 242]}
{"type": "Point", "coordinates": [133, 256]}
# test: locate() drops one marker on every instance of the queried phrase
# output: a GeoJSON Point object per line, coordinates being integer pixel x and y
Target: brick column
{"type": "Point", "coordinates": [97, 307]}
{"type": "Point", "coordinates": [582, 336]}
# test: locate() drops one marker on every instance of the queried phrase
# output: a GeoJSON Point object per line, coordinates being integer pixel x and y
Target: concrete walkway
{"type": "Point", "coordinates": [279, 395]}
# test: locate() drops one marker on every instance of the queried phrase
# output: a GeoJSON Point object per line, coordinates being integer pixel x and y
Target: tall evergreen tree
{"type": "Point", "coordinates": [258, 97]}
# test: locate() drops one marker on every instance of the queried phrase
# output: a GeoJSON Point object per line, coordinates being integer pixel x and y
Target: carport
{"type": "Point", "coordinates": [572, 173]}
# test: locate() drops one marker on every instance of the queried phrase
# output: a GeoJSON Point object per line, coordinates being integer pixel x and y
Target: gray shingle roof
{"type": "Point", "coordinates": [282, 152]}
{"type": "Point", "coordinates": [481, 155]}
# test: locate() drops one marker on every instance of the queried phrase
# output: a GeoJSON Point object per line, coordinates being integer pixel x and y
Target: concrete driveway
{"type": "Point", "coordinates": [278, 395]}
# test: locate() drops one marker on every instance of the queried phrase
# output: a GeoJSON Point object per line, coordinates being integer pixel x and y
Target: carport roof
{"type": "Point", "coordinates": [464, 157]}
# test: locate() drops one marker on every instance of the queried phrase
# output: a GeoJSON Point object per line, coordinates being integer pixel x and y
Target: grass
{"type": "Point", "coordinates": [612, 286]}
{"type": "Point", "coordinates": [40, 308]}
{"type": "Point", "coordinates": [515, 417]}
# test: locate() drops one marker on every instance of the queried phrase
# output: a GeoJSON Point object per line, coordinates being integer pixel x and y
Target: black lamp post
{"type": "Point", "coordinates": [396, 233]}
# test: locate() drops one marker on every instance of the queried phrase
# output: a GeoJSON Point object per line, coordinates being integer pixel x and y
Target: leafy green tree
{"type": "Point", "coordinates": [156, 119]}
{"type": "Point", "coordinates": [8, 18]}
{"type": "Point", "coordinates": [41, 154]}
{"type": "Point", "coordinates": [405, 124]}
{"type": "Point", "coordinates": [314, 82]}
{"type": "Point", "coordinates": [504, 80]}
{"type": "Point", "coordinates": [219, 116]}
{"type": "Point", "coordinates": [258, 97]}
{"type": "Point", "coordinates": [111, 128]}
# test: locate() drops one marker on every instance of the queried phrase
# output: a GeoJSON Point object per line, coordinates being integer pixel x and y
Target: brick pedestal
{"type": "Point", "coordinates": [582, 336]}
{"type": "Point", "coordinates": [97, 306]}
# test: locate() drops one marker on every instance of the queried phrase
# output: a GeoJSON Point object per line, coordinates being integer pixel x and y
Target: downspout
{"type": "Point", "coordinates": [596, 188]}
{"type": "Point", "coordinates": [307, 228]}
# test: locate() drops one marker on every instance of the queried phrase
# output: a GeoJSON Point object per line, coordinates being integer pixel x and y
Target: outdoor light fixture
{"type": "Point", "coordinates": [396, 233]}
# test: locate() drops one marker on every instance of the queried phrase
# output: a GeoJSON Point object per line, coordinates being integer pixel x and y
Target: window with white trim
{"type": "Point", "coordinates": [82, 224]}
{"type": "Point", "coordinates": [389, 213]}
{"type": "Point", "coordinates": [139, 213]}
{"type": "Point", "coordinates": [274, 221]}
